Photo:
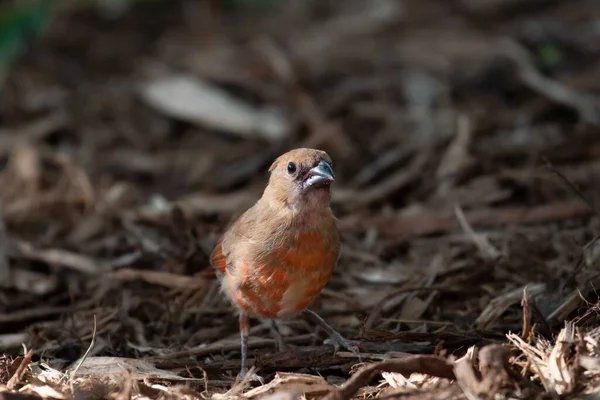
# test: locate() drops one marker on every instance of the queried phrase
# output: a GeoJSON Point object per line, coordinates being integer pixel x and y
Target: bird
{"type": "Point", "coordinates": [275, 259]}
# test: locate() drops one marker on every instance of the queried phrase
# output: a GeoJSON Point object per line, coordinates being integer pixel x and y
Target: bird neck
{"type": "Point", "coordinates": [309, 210]}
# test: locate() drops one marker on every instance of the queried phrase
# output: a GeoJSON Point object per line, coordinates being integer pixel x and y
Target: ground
{"type": "Point", "coordinates": [464, 136]}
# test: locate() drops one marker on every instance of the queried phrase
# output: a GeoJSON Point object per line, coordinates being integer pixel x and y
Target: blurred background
{"type": "Point", "coordinates": [464, 135]}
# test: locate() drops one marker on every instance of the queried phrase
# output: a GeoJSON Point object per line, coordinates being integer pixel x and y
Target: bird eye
{"type": "Point", "coordinates": [291, 167]}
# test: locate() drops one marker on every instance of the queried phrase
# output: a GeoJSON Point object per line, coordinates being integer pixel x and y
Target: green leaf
{"type": "Point", "coordinates": [20, 22]}
{"type": "Point", "coordinates": [549, 55]}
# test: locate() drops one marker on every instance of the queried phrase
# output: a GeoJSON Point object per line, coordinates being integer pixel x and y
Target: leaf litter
{"type": "Point", "coordinates": [466, 195]}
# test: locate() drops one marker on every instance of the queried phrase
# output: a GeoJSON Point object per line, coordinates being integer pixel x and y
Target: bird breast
{"type": "Point", "coordinates": [284, 278]}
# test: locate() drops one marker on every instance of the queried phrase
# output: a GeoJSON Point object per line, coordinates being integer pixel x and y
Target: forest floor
{"type": "Point", "coordinates": [465, 142]}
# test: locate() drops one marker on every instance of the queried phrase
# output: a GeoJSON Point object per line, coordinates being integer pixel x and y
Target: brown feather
{"type": "Point", "coordinates": [217, 258]}
{"type": "Point", "coordinates": [282, 251]}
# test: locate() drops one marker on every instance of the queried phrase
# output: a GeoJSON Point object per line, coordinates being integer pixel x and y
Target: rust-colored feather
{"type": "Point", "coordinates": [277, 257]}
{"type": "Point", "coordinates": [217, 257]}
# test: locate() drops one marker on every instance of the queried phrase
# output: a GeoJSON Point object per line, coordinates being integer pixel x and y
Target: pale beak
{"type": "Point", "coordinates": [321, 175]}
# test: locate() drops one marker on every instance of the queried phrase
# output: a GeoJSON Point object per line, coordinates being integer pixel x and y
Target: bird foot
{"type": "Point", "coordinates": [281, 346]}
{"type": "Point", "coordinates": [250, 376]}
{"type": "Point", "coordinates": [339, 341]}
{"type": "Point", "coordinates": [334, 336]}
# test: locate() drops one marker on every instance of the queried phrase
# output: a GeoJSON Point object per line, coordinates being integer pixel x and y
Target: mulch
{"type": "Point", "coordinates": [464, 137]}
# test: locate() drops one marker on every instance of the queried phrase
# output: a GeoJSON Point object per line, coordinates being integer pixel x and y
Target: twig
{"type": "Point", "coordinates": [165, 279]}
{"type": "Point", "coordinates": [500, 304]}
{"type": "Point", "coordinates": [493, 360]}
{"type": "Point", "coordinates": [225, 345]}
{"type": "Point", "coordinates": [305, 356]}
{"type": "Point", "coordinates": [418, 321]}
{"type": "Point", "coordinates": [18, 375]}
{"type": "Point", "coordinates": [34, 131]}
{"type": "Point", "coordinates": [5, 270]}
{"type": "Point", "coordinates": [572, 301]}
{"type": "Point", "coordinates": [484, 245]}
{"type": "Point", "coordinates": [572, 185]}
{"type": "Point", "coordinates": [378, 308]}
{"type": "Point", "coordinates": [33, 314]}
{"type": "Point", "coordinates": [456, 160]}
{"type": "Point", "coordinates": [466, 379]}
{"type": "Point", "coordinates": [586, 105]}
{"type": "Point", "coordinates": [429, 222]}
{"type": "Point", "coordinates": [196, 204]}
{"type": "Point", "coordinates": [580, 263]}
{"type": "Point", "coordinates": [12, 340]}
{"type": "Point", "coordinates": [57, 257]}
{"type": "Point", "coordinates": [398, 180]}
{"type": "Point", "coordinates": [383, 161]}
{"type": "Point", "coordinates": [527, 333]}
{"type": "Point", "coordinates": [85, 355]}
{"type": "Point", "coordinates": [125, 393]}
{"type": "Point", "coordinates": [430, 365]}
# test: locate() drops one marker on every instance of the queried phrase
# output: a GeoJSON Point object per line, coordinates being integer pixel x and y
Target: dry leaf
{"type": "Point", "coordinates": [112, 367]}
{"type": "Point", "coordinates": [193, 100]}
{"type": "Point", "coordinates": [295, 383]}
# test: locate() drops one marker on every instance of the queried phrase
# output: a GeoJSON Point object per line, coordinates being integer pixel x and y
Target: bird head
{"type": "Point", "coordinates": [301, 177]}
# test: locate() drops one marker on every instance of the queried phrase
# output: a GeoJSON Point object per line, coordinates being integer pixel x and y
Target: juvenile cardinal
{"type": "Point", "coordinates": [277, 257]}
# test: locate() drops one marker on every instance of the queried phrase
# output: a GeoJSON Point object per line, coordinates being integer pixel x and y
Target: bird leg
{"type": "Point", "coordinates": [244, 332]}
{"type": "Point", "coordinates": [278, 337]}
{"type": "Point", "coordinates": [337, 339]}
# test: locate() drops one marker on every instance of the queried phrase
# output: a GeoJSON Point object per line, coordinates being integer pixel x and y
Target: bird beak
{"type": "Point", "coordinates": [321, 175]}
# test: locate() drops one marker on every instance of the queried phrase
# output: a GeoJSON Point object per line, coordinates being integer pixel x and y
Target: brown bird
{"type": "Point", "coordinates": [277, 257]}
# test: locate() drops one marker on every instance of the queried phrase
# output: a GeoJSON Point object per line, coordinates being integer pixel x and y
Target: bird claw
{"type": "Point", "coordinates": [349, 345]}
{"type": "Point", "coordinates": [252, 377]}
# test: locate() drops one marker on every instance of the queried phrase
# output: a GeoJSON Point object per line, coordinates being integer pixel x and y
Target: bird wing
{"type": "Point", "coordinates": [243, 241]}
{"type": "Point", "coordinates": [221, 258]}
{"type": "Point", "coordinates": [217, 257]}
